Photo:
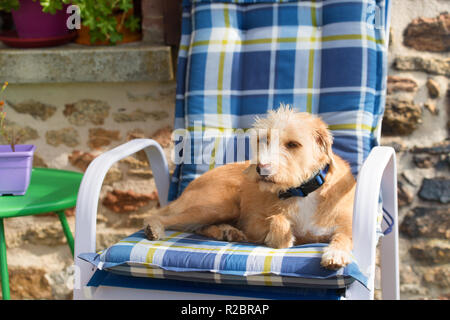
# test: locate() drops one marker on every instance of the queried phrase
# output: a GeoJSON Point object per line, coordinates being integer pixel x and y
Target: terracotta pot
{"type": "Point", "coordinates": [128, 36]}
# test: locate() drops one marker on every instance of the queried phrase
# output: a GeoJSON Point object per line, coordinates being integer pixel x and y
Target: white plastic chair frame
{"type": "Point", "coordinates": [377, 173]}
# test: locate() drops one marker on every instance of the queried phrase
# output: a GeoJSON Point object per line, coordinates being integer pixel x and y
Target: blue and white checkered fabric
{"type": "Point", "coordinates": [185, 256]}
{"type": "Point", "coordinates": [239, 59]}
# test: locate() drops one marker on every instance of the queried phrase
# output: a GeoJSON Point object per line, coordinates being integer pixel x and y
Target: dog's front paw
{"type": "Point", "coordinates": [280, 233]}
{"type": "Point", "coordinates": [154, 230]}
{"type": "Point", "coordinates": [234, 235]}
{"type": "Point", "coordinates": [333, 258]}
{"type": "Point", "coordinates": [279, 242]}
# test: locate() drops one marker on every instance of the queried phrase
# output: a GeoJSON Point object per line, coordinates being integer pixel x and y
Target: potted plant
{"type": "Point", "coordinates": [102, 21]}
{"type": "Point", "coordinates": [38, 19]}
{"type": "Point", "coordinates": [108, 22]}
{"type": "Point", "coordinates": [16, 160]}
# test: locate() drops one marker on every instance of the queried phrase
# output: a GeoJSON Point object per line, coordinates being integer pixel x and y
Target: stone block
{"type": "Point", "coordinates": [29, 283]}
{"type": "Point", "coordinates": [435, 189]}
{"type": "Point", "coordinates": [127, 201]}
{"type": "Point", "coordinates": [24, 132]}
{"type": "Point", "coordinates": [430, 222]}
{"type": "Point", "coordinates": [36, 109]}
{"type": "Point", "coordinates": [436, 149]}
{"type": "Point", "coordinates": [87, 111]}
{"type": "Point", "coordinates": [431, 251]}
{"type": "Point", "coordinates": [66, 136]}
{"type": "Point", "coordinates": [81, 160]}
{"type": "Point", "coordinates": [139, 116]}
{"type": "Point", "coordinates": [434, 90]}
{"type": "Point", "coordinates": [99, 137]}
{"type": "Point", "coordinates": [429, 34]}
{"type": "Point", "coordinates": [438, 276]}
{"type": "Point", "coordinates": [396, 83]}
{"type": "Point", "coordinates": [438, 66]}
{"type": "Point", "coordinates": [405, 195]}
{"type": "Point", "coordinates": [401, 116]}
{"type": "Point", "coordinates": [77, 63]}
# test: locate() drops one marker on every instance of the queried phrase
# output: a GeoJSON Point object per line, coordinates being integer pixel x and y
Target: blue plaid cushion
{"type": "Point", "coordinates": [240, 58]}
{"type": "Point", "coordinates": [185, 256]}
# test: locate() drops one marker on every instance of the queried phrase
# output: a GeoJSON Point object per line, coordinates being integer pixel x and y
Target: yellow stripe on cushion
{"type": "Point", "coordinates": [267, 268]}
{"type": "Point", "coordinates": [343, 126]}
{"type": "Point", "coordinates": [351, 126]}
{"type": "Point", "coordinates": [285, 40]}
{"type": "Point", "coordinates": [160, 245]}
{"type": "Point", "coordinates": [152, 250]}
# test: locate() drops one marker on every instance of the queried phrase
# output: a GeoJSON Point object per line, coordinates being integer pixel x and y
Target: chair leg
{"type": "Point", "coordinates": [389, 260]}
{"type": "Point", "coordinates": [66, 229]}
{"type": "Point", "coordinates": [3, 263]}
{"type": "Point", "coordinates": [390, 287]}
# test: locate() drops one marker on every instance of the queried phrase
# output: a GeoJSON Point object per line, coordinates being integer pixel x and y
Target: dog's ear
{"type": "Point", "coordinates": [324, 140]}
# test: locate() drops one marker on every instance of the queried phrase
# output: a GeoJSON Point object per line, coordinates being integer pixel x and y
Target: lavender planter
{"type": "Point", "coordinates": [15, 169]}
{"type": "Point", "coordinates": [32, 23]}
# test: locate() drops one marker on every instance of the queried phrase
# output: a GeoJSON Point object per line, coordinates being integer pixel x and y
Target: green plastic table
{"type": "Point", "coordinates": [50, 190]}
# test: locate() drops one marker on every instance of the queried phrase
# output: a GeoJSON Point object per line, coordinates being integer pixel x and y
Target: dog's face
{"type": "Point", "coordinates": [291, 147]}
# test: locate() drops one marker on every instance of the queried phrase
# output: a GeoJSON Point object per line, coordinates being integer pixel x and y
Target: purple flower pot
{"type": "Point", "coordinates": [15, 169]}
{"type": "Point", "coordinates": [32, 23]}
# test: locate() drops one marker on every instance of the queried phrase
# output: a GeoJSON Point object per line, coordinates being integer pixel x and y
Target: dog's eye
{"type": "Point", "coordinates": [292, 145]}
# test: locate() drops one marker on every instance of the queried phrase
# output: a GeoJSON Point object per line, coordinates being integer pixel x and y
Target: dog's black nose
{"type": "Point", "coordinates": [263, 169]}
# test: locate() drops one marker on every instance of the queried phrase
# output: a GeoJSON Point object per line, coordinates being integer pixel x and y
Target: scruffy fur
{"type": "Point", "coordinates": [237, 202]}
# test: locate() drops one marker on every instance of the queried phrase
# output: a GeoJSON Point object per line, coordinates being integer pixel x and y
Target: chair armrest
{"type": "Point", "coordinates": [378, 173]}
{"type": "Point", "coordinates": [89, 192]}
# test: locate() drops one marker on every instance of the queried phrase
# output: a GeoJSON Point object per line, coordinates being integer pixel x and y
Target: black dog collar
{"type": "Point", "coordinates": [306, 188]}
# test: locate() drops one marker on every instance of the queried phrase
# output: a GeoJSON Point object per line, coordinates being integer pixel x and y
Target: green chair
{"type": "Point", "coordinates": [50, 190]}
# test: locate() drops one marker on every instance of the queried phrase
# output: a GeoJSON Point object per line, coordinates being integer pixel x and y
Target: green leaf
{"type": "Point", "coordinates": [125, 5]}
{"type": "Point", "coordinates": [133, 23]}
{"type": "Point", "coordinates": [97, 15]}
{"type": "Point", "coordinates": [115, 37]}
{"type": "Point", "coordinates": [7, 5]}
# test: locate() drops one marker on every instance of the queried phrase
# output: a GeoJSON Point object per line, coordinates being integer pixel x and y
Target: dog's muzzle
{"type": "Point", "coordinates": [264, 169]}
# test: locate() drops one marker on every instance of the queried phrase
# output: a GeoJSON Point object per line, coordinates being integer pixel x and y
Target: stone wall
{"type": "Point", "coordinates": [71, 124]}
{"type": "Point", "coordinates": [416, 124]}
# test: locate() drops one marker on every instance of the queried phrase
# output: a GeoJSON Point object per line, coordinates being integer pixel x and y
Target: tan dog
{"type": "Point", "coordinates": [243, 202]}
